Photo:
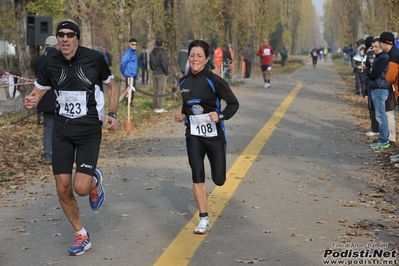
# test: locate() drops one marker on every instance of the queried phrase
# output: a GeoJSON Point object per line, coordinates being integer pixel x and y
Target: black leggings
{"type": "Point", "coordinates": [197, 147]}
{"type": "Point", "coordinates": [314, 60]}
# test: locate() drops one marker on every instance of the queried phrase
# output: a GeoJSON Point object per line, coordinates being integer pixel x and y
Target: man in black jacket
{"type": "Point", "coordinates": [369, 62]}
{"type": "Point", "coordinates": [159, 65]}
{"type": "Point", "coordinates": [47, 104]}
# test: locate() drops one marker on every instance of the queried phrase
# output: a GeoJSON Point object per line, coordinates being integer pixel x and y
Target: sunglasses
{"type": "Point", "coordinates": [68, 34]}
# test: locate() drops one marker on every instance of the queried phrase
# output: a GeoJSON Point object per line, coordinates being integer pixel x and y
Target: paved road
{"type": "Point", "coordinates": [301, 195]}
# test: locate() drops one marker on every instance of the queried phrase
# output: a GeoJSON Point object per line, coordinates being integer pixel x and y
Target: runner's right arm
{"type": "Point", "coordinates": [31, 100]}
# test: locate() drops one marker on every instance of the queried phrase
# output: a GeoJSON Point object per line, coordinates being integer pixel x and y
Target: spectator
{"type": "Point", "coordinates": [248, 56]}
{"type": "Point", "coordinates": [144, 65]}
{"type": "Point", "coordinates": [129, 68]}
{"type": "Point", "coordinates": [47, 104]}
{"type": "Point", "coordinates": [227, 59]}
{"type": "Point", "coordinates": [370, 58]}
{"type": "Point", "coordinates": [232, 58]}
{"type": "Point", "coordinates": [284, 56]}
{"type": "Point", "coordinates": [359, 68]}
{"type": "Point", "coordinates": [159, 65]}
{"type": "Point", "coordinates": [218, 57]}
{"type": "Point", "coordinates": [387, 42]}
{"type": "Point", "coordinates": [379, 94]}
{"type": "Point", "coordinates": [107, 57]}
{"type": "Point", "coordinates": [351, 53]}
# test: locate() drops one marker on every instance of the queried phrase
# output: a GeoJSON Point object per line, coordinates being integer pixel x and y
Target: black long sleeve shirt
{"type": "Point", "coordinates": [198, 87]}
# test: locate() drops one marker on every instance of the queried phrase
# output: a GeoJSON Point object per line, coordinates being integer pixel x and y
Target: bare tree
{"type": "Point", "coordinates": [84, 22]}
{"type": "Point", "coordinates": [170, 26]}
{"type": "Point", "coordinates": [25, 53]}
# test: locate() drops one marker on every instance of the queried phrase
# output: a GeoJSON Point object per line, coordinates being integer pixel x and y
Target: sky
{"type": "Point", "coordinates": [319, 6]}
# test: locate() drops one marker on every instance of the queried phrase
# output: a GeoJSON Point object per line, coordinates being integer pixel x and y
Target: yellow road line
{"type": "Point", "coordinates": [184, 246]}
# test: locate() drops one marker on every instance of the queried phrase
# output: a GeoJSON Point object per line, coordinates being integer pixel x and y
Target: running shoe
{"type": "Point", "coordinates": [81, 244]}
{"type": "Point", "coordinates": [97, 196]}
{"type": "Point", "coordinates": [395, 159]}
{"type": "Point", "coordinates": [396, 156]}
{"type": "Point", "coordinates": [160, 110]}
{"type": "Point", "coordinates": [265, 86]}
{"type": "Point", "coordinates": [203, 226]}
{"type": "Point", "coordinates": [371, 133]}
{"type": "Point", "coordinates": [380, 145]}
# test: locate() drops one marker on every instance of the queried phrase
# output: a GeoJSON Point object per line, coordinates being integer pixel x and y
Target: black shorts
{"type": "Point", "coordinates": [197, 147]}
{"type": "Point", "coordinates": [76, 137]}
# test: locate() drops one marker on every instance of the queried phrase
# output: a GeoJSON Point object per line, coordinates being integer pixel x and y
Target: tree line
{"type": "Point", "coordinates": [288, 23]}
{"type": "Point", "coordinates": [346, 21]}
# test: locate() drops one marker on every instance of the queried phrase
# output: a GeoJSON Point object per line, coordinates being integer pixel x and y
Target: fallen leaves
{"type": "Point", "coordinates": [253, 261]}
{"type": "Point", "coordinates": [344, 220]}
{"type": "Point", "coordinates": [19, 217]}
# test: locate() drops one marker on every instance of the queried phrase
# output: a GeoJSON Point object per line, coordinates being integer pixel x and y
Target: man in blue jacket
{"type": "Point", "coordinates": [129, 66]}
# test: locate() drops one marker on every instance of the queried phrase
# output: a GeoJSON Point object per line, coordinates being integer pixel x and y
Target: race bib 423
{"type": "Point", "coordinates": [72, 103]}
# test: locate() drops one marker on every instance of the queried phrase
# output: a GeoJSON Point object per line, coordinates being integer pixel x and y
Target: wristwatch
{"type": "Point", "coordinates": [221, 117]}
{"type": "Point", "coordinates": [112, 114]}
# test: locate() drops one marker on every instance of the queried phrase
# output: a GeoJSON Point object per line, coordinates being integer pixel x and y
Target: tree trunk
{"type": "Point", "coordinates": [84, 23]}
{"type": "Point", "coordinates": [171, 41]}
{"type": "Point", "coordinates": [25, 55]}
{"type": "Point", "coordinates": [150, 28]}
{"type": "Point", "coordinates": [123, 29]}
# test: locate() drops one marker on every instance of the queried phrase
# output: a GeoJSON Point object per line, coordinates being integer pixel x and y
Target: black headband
{"type": "Point", "coordinates": [68, 24]}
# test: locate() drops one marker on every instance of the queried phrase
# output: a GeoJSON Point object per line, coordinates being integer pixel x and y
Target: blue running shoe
{"type": "Point", "coordinates": [97, 196]}
{"type": "Point", "coordinates": [81, 244]}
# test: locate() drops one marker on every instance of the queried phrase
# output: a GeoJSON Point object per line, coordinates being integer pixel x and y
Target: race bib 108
{"type": "Point", "coordinates": [202, 125]}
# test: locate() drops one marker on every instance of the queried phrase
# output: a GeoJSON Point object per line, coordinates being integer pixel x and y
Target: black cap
{"type": "Point", "coordinates": [387, 37]}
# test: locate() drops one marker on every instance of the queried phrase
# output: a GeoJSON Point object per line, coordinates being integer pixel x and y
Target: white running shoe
{"type": "Point", "coordinates": [203, 226]}
{"type": "Point", "coordinates": [265, 86]}
{"type": "Point", "coordinates": [371, 133]}
{"type": "Point", "coordinates": [160, 110]}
